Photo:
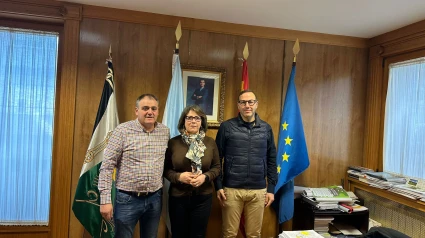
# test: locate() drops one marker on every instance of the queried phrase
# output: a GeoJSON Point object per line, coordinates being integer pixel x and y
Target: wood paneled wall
{"type": "Point", "coordinates": [330, 81]}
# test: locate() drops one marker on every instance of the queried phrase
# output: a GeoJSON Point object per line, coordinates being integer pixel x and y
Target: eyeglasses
{"type": "Point", "coordinates": [146, 108]}
{"type": "Point", "coordinates": [190, 118]}
{"type": "Point", "coordinates": [250, 102]}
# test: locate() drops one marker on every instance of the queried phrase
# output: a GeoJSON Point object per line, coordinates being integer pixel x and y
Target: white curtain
{"type": "Point", "coordinates": [404, 130]}
{"type": "Point", "coordinates": [28, 71]}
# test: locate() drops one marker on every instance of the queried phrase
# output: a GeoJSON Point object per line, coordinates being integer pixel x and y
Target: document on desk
{"type": "Point", "coordinates": [328, 194]}
{"type": "Point", "coordinates": [297, 234]}
{"type": "Point", "coordinates": [347, 229]}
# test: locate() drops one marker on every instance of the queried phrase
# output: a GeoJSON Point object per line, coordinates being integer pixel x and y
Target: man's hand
{"type": "Point", "coordinates": [107, 211]}
{"type": "Point", "coordinates": [221, 196]}
{"type": "Point", "coordinates": [269, 199]}
{"type": "Point", "coordinates": [186, 177]}
{"type": "Point", "coordinates": [198, 180]}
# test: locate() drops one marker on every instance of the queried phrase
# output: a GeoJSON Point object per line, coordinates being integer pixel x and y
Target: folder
{"type": "Point", "coordinates": [345, 208]}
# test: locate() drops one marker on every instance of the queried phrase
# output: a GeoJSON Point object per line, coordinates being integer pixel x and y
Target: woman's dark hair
{"type": "Point", "coordinates": [197, 110]}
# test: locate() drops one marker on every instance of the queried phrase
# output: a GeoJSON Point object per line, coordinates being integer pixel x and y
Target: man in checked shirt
{"type": "Point", "coordinates": [136, 149]}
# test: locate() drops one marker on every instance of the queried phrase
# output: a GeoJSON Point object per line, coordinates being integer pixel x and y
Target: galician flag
{"type": "Point", "coordinates": [173, 108]}
{"type": "Point", "coordinates": [87, 198]}
{"type": "Point", "coordinates": [292, 157]}
{"type": "Point", "coordinates": [175, 103]}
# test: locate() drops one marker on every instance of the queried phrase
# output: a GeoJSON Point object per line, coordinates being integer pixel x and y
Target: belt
{"type": "Point", "coordinates": [137, 194]}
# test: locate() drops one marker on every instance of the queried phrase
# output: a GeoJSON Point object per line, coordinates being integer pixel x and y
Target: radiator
{"type": "Point", "coordinates": [394, 215]}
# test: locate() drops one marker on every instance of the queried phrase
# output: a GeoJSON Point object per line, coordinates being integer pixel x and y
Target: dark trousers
{"type": "Point", "coordinates": [189, 215]}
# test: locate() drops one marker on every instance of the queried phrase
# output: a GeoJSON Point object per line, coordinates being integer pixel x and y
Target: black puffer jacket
{"type": "Point", "coordinates": [249, 155]}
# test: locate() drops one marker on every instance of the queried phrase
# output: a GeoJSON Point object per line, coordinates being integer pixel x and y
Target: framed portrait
{"type": "Point", "coordinates": [205, 86]}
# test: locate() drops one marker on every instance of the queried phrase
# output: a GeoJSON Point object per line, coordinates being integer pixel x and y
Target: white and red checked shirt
{"type": "Point", "coordinates": [137, 155]}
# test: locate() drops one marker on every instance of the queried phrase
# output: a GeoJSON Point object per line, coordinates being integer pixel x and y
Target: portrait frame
{"type": "Point", "coordinates": [214, 79]}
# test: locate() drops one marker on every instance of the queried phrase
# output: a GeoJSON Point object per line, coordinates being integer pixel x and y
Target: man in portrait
{"type": "Point", "coordinates": [200, 95]}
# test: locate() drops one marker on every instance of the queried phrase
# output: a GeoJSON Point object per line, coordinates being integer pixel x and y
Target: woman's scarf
{"type": "Point", "coordinates": [196, 149]}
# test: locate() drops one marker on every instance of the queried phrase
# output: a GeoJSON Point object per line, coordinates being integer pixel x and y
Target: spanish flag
{"type": "Point", "coordinates": [245, 78]}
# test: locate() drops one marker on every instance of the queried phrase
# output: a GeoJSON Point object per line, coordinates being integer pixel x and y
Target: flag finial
{"type": "Point", "coordinates": [178, 34]}
{"type": "Point", "coordinates": [296, 49]}
{"type": "Point", "coordinates": [245, 51]}
{"type": "Point", "coordinates": [110, 52]}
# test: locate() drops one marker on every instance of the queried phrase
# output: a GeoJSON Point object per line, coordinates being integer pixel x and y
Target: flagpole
{"type": "Point", "coordinates": [244, 86]}
{"type": "Point", "coordinates": [245, 51]}
{"type": "Point", "coordinates": [287, 226]}
{"type": "Point", "coordinates": [295, 50]}
{"type": "Point", "coordinates": [178, 35]}
{"type": "Point", "coordinates": [110, 53]}
{"type": "Point", "coordinates": [292, 154]}
{"type": "Point", "coordinates": [245, 77]}
{"type": "Point", "coordinates": [173, 107]}
{"type": "Point", "coordinates": [86, 199]}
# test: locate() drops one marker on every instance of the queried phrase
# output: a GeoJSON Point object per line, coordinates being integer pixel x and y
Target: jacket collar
{"type": "Point", "coordinates": [258, 121]}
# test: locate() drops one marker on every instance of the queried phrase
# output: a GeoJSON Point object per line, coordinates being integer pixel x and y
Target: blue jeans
{"type": "Point", "coordinates": [128, 210]}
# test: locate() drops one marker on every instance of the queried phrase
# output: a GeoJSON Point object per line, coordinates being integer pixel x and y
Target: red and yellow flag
{"type": "Point", "coordinates": [244, 86]}
{"type": "Point", "coordinates": [245, 78]}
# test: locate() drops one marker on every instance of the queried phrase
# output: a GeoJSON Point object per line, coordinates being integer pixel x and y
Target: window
{"type": "Point", "coordinates": [28, 70]}
{"type": "Point", "coordinates": [404, 126]}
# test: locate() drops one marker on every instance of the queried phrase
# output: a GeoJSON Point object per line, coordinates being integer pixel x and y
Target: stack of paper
{"type": "Point", "coordinates": [387, 177]}
{"type": "Point", "coordinates": [321, 205]}
{"type": "Point", "coordinates": [409, 191]}
{"type": "Point", "coordinates": [321, 223]}
{"type": "Point", "coordinates": [297, 234]}
{"type": "Point", "coordinates": [328, 194]}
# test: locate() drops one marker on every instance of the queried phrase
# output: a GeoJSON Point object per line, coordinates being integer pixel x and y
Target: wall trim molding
{"type": "Point", "coordinates": [105, 13]}
{"type": "Point", "coordinates": [404, 45]}
{"type": "Point", "coordinates": [398, 34]}
{"type": "Point", "coordinates": [60, 195]}
{"type": "Point", "coordinates": [51, 9]}
{"type": "Point", "coordinates": [41, 10]}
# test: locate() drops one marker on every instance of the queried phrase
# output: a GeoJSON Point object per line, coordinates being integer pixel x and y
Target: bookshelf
{"type": "Point", "coordinates": [354, 184]}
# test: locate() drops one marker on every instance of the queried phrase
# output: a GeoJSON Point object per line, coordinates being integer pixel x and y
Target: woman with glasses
{"type": "Point", "coordinates": [191, 164]}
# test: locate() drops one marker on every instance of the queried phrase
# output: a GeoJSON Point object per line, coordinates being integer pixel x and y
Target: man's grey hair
{"type": "Point", "coordinates": [150, 96]}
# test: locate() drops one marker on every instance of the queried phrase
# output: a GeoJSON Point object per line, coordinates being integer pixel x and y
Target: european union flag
{"type": "Point", "coordinates": [292, 157]}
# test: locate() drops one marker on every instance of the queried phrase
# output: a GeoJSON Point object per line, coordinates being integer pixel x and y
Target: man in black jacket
{"type": "Point", "coordinates": [200, 95]}
{"type": "Point", "coordinates": [247, 146]}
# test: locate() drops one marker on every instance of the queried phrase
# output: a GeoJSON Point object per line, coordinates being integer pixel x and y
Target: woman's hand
{"type": "Point", "coordinates": [187, 177]}
{"type": "Point", "coordinates": [198, 180]}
